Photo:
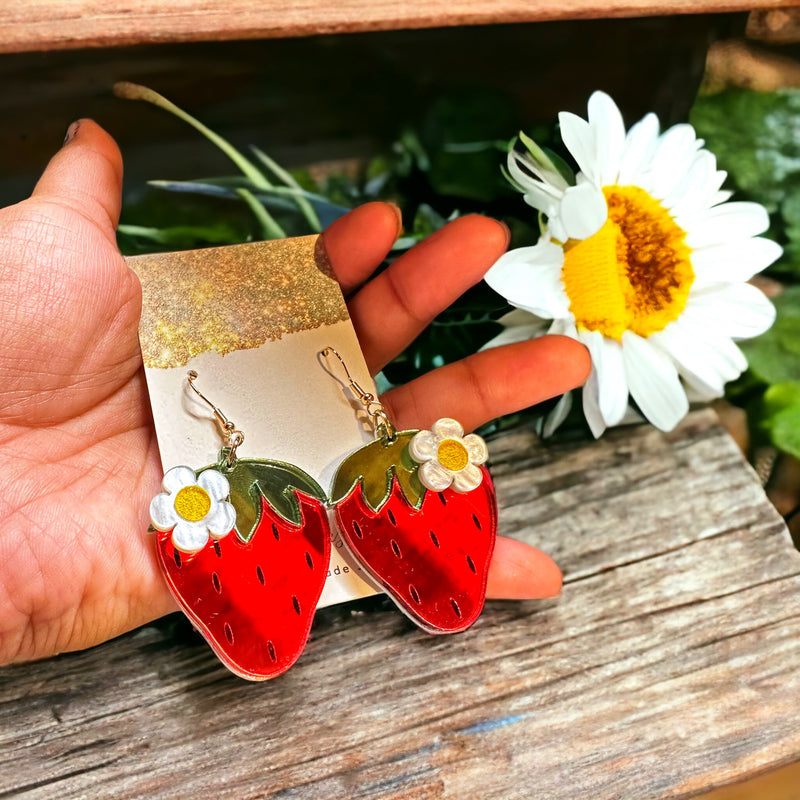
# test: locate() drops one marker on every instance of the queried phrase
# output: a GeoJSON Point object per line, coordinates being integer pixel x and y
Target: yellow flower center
{"type": "Point", "coordinates": [452, 455]}
{"type": "Point", "coordinates": [634, 273]}
{"type": "Point", "coordinates": [192, 503]}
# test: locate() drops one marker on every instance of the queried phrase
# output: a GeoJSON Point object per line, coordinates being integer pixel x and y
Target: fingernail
{"type": "Point", "coordinates": [71, 131]}
{"type": "Point", "coordinates": [507, 231]}
{"type": "Point", "coordinates": [399, 214]}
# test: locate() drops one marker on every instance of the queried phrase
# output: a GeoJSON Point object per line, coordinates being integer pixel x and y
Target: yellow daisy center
{"type": "Point", "coordinates": [192, 503]}
{"type": "Point", "coordinates": [634, 273]}
{"type": "Point", "coordinates": [452, 455]}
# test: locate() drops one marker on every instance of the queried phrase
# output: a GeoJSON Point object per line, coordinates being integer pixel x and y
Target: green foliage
{"type": "Point", "coordinates": [779, 416]}
{"type": "Point", "coordinates": [756, 138]}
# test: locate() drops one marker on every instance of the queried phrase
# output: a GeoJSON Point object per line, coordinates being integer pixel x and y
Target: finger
{"type": "Point", "coordinates": [359, 241]}
{"type": "Point", "coordinates": [391, 311]}
{"type": "Point", "coordinates": [490, 384]}
{"type": "Point", "coordinates": [521, 572]}
{"type": "Point", "coordinates": [86, 175]}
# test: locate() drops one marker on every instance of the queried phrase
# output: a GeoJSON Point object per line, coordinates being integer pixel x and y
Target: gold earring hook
{"type": "Point", "coordinates": [233, 437]}
{"type": "Point", "coordinates": [382, 425]}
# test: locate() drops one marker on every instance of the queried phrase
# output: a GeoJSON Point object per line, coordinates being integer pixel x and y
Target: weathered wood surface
{"type": "Point", "coordinates": [668, 666]}
{"type": "Point", "coordinates": [64, 24]}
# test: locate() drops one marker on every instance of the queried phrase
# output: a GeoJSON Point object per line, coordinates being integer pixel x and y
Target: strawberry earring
{"type": "Point", "coordinates": [417, 509]}
{"type": "Point", "coordinates": [245, 546]}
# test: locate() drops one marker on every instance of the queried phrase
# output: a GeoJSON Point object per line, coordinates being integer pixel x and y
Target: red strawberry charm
{"type": "Point", "coordinates": [245, 548]}
{"type": "Point", "coordinates": [418, 511]}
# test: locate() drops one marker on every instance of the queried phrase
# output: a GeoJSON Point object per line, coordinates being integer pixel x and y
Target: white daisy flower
{"type": "Point", "coordinates": [643, 260]}
{"type": "Point", "coordinates": [193, 507]}
{"type": "Point", "coordinates": [447, 457]}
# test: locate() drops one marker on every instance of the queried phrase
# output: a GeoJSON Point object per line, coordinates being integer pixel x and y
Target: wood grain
{"type": "Point", "coordinates": [59, 24]}
{"type": "Point", "coordinates": [668, 666]}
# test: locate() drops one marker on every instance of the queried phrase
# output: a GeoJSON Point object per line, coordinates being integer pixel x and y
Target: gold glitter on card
{"type": "Point", "coordinates": [233, 298]}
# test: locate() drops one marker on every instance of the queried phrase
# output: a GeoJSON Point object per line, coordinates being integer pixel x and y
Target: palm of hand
{"type": "Point", "coordinates": [74, 420]}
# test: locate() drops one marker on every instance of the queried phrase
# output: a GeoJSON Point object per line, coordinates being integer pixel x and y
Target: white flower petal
{"type": "Point", "coordinates": [447, 428]}
{"type": "Point", "coordinates": [653, 382]}
{"type": "Point", "coordinates": [640, 145]}
{"type": "Point", "coordinates": [738, 310]}
{"type": "Point", "coordinates": [697, 188]}
{"type": "Point", "coordinates": [178, 477]}
{"type": "Point", "coordinates": [220, 520]}
{"type": "Point", "coordinates": [476, 448]}
{"type": "Point", "coordinates": [674, 153]}
{"type": "Point", "coordinates": [583, 211]}
{"type": "Point", "coordinates": [163, 515]}
{"type": "Point", "coordinates": [540, 194]}
{"type": "Point", "coordinates": [215, 483]}
{"type": "Point", "coordinates": [467, 479]}
{"type": "Point", "coordinates": [189, 537]}
{"type": "Point", "coordinates": [724, 223]}
{"type": "Point", "coordinates": [557, 416]}
{"type": "Point", "coordinates": [706, 362]}
{"type": "Point", "coordinates": [577, 136]}
{"type": "Point", "coordinates": [733, 262]}
{"type": "Point", "coordinates": [591, 405]}
{"type": "Point", "coordinates": [530, 278]}
{"type": "Point", "coordinates": [608, 129]}
{"type": "Point", "coordinates": [434, 476]}
{"type": "Point", "coordinates": [528, 172]}
{"type": "Point", "coordinates": [422, 446]}
{"type": "Point", "coordinates": [612, 389]}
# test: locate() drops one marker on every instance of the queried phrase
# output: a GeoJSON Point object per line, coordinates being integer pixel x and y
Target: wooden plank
{"type": "Point", "coordinates": [59, 24]}
{"type": "Point", "coordinates": [667, 668]}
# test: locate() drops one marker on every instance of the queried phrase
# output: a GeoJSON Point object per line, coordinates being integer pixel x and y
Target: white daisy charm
{"type": "Point", "coordinates": [643, 260]}
{"type": "Point", "coordinates": [193, 508]}
{"type": "Point", "coordinates": [448, 458]}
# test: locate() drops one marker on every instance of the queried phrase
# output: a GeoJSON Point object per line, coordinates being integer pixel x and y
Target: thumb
{"type": "Point", "coordinates": [86, 175]}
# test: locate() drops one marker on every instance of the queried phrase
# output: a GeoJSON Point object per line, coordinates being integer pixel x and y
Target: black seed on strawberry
{"type": "Point", "coordinates": [275, 532]}
{"type": "Point", "coordinates": [357, 530]}
{"type": "Point", "coordinates": [471, 564]}
{"type": "Point", "coordinates": [260, 575]}
{"type": "Point", "coordinates": [412, 590]}
{"type": "Point", "coordinates": [217, 549]}
{"type": "Point", "coordinates": [391, 516]}
{"type": "Point", "coordinates": [455, 607]}
{"type": "Point", "coordinates": [309, 560]}
{"type": "Point", "coordinates": [177, 558]}
{"type": "Point", "coordinates": [296, 604]}
{"type": "Point", "coordinates": [442, 498]}
{"type": "Point", "coordinates": [215, 581]}
{"type": "Point", "coordinates": [271, 648]}
{"type": "Point", "coordinates": [476, 521]}
{"type": "Point", "coordinates": [434, 539]}
{"type": "Point", "coordinates": [396, 549]}
{"type": "Point", "coordinates": [228, 633]}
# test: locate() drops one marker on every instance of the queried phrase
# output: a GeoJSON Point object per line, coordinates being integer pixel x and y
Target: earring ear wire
{"type": "Point", "coordinates": [381, 424]}
{"type": "Point", "coordinates": [234, 438]}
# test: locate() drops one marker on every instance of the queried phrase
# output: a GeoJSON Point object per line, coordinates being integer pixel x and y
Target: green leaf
{"type": "Point", "coordinates": [774, 357]}
{"type": "Point", "coordinates": [780, 416]}
{"type": "Point", "coordinates": [756, 137]}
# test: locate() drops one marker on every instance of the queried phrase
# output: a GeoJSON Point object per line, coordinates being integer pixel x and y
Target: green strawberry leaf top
{"type": "Point", "coordinates": [374, 466]}
{"type": "Point", "coordinates": [275, 481]}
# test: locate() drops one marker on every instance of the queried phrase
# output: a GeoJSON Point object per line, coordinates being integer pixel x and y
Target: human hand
{"type": "Point", "coordinates": [77, 565]}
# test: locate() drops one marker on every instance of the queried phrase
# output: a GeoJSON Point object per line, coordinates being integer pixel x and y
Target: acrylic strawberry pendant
{"type": "Point", "coordinates": [418, 511]}
{"type": "Point", "coordinates": [245, 548]}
